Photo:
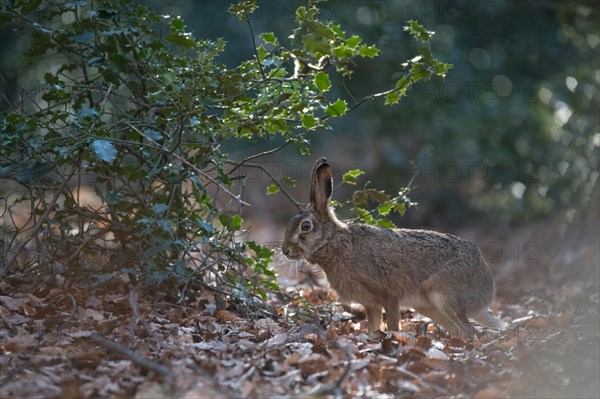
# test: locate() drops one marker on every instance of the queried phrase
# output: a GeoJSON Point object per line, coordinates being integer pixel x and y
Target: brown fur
{"type": "Point", "coordinates": [442, 276]}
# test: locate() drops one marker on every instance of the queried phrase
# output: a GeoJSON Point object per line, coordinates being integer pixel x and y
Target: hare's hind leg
{"type": "Point", "coordinates": [373, 317]}
{"type": "Point", "coordinates": [458, 324]}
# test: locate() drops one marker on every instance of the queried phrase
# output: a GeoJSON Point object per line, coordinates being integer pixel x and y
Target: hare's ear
{"type": "Point", "coordinates": [321, 186]}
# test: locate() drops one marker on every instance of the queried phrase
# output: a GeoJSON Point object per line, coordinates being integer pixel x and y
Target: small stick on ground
{"type": "Point", "coordinates": [136, 358]}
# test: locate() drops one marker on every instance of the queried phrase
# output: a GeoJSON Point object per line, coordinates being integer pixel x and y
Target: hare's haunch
{"type": "Point", "coordinates": [441, 276]}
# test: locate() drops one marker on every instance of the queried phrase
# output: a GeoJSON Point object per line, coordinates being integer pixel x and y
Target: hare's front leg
{"type": "Point", "coordinates": [392, 314]}
{"type": "Point", "coordinates": [373, 317]}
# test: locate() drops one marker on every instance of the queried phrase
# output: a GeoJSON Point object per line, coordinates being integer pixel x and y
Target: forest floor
{"type": "Point", "coordinates": [74, 342]}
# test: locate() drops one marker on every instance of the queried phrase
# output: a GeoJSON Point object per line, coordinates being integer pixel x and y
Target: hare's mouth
{"type": "Point", "coordinates": [292, 254]}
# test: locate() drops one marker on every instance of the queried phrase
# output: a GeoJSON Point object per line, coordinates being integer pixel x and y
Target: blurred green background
{"type": "Point", "coordinates": [511, 135]}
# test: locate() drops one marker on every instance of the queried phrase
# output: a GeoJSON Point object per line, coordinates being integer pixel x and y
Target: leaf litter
{"type": "Point", "coordinates": [71, 342]}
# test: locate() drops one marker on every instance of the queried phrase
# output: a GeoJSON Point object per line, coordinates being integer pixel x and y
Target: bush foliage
{"type": "Point", "coordinates": [135, 108]}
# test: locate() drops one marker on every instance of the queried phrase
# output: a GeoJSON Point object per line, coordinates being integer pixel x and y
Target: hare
{"type": "Point", "coordinates": [441, 276]}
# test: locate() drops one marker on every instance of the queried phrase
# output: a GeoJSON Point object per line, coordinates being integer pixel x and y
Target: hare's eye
{"type": "Point", "coordinates": [306, 225]}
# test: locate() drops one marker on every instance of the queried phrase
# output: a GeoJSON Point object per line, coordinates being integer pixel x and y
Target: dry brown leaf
{"type": "Point", "coordinates": [437, 364]}
{"type": "Point", "coordinates": [226, 316]}
{"type": "Point", "coordinates": [267, 324]}
{"type": "Point", "coordinates": [405, 338]}
{"type": "Point", "coordinates": [11, 303]}
{"type": "Point", "coordinates": [92, 302]}
{"type": "Point", "coordinates": [89, 360]}
{"type": "Point", "coordinates": [19, 343]}
{"type": "Point", "coordinates": [4, 313]}
{"type": "Point", "coordinates": [491, 393]}
{"type": "Point", "coordinates": [413, 353]}
{"type": "Point", "coordinates": [314, 364]}
{"type": "Point", "coordinates": [175, 315]}
{"type": "Point", "coordinates": [35, 301]}
{"type": "Point", "coordinates": [52, 350]}
{"type": "Point", "coordinates": [435, 353]}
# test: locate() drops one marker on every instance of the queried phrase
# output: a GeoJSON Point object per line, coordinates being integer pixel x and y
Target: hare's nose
{"type": "Point", "coordinates": [286, 252]}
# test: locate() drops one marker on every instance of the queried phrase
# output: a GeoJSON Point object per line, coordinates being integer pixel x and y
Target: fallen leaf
{"type": "Point", "coordinates": [11, 303]}
{"type": "Point", "coordinates": [315, 363]}
{"type": "Point", "coordinates": [4, 313]}
{"type": "Point", "coordinates": [92, 302]}
{"type": "Point", "coordinates": [34, 300]}
{"type": "Point", "coordinates": [226, 316]}
{"type": "Point", "coordinates": [52, 350]}
{"type": "Point", "coordinates": [435, 353]}
{"type": "Point", "coordinates": [490, 393]}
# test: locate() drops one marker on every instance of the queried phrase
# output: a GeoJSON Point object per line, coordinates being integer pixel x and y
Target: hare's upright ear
{"type": "Point", "coordinates": [321, 187]}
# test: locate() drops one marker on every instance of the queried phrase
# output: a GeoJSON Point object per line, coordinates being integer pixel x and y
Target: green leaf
{"type": "Point", "coordinates": [272, 189]}
{"type": "Point", "coordinates": [207, 227]}
{"type": "Point", "coordinates": [337, 109]}
{"type": "Point", "coordinates": [368, 51]}
{"type": "Point", "coordinates": [261, 251]}
{"type": "Point", "coordinates": [261, 53]}
{"type": "Point", "coordinates": [184, 40]}
{"type": "Point", "coordinates": [33, 171]}
{"type": "Point", "coordinates": [385, 209]}
{"type": "Point", "coordinates": [231, 223]}
{"type": "Point", "coordinates": [386, 224]}
{"type": "Point", "coordinates": [441, 68]}
{"type": "Point", "coordinates": [84, 37]}
{"type": "Point", "coordinates": [342, 52]}
{"type": "Point", "coordinates": [262, 293]}
{"type": "Point", "coordinates": [269, 38]}
{"type": "Point", "coordinates": [236, 222]}
{"type": "Point", "coordinates": [378, 195]}
{"type": "Point", "coordinates": [400, 208]}
{"type": "Point", "coordinates": [322, 81]}
{"type": "Point", "coordinates": [351, 177]}
{"type": "Point", "coordinates": [418, 31]}
{"type": "Point", "coordinates": [320, 29]}
{"type": "Point", "coordinates": [308, 121]}
{"type": "Point", "coordinates": [159, 209]}
{"type": "Point", "coordinates": [289, 181]}
{"type": "Point", "coordinates": [177, 24]}
{"type": "Point", "coordinates": [300, 13]}
{"type": "Point", "coordinates": [353, 42]}
{"type": "Point", "coordinates": [152, 134]}
{"type": "Point", "coordinates": [243, 8]}
{"type": "Point", "coordinates": [364, 215]}
{"type": "Point", "coordinates": [87, 112]}
{"type": "Point", "coordinates": [392, 98]}
{"type": "Point", "coordinates": [403, 83]}
{"type": "Point", "coordinates": [316, 44]}
{"type": "Point", "coordinates": [105, 150]}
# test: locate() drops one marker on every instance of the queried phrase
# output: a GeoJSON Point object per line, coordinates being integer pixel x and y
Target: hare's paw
{"type": "Point", "coordinates": [373, 318]}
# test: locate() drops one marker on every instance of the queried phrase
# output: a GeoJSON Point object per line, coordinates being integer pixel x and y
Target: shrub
{"type": "Point", "coordinates": [133, 107]}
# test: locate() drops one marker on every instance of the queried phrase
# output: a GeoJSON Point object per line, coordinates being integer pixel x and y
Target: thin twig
{"type": "Point", "coordinates": [190, 165]}
{"type": "Point", "coordinates": [135, 357]}
{"type": "Point", "coordinates": [71, 315]}
{"type": "Point", "coordinates": [406, 191]}
{"type": "Point", "coordinates": [336, 387]}
{"type": "Point", "coordinates": [260, 154]}
{"type": "Point", "coordinates": [262, 72]}
{"type": "Point", "coordinates": [38, 224]}
{"type": "Point", "coordinates": [274, 180]}
{"type": "Point", "coordinates": [133, 303]}
{"type": "Point", "coordinates": [369, 98]}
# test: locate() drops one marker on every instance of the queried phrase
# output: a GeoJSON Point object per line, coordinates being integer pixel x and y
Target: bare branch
{"type": "Point", "coordinates": [274, 180]}
{"type": "Point", "coordinates": [38, 224]}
